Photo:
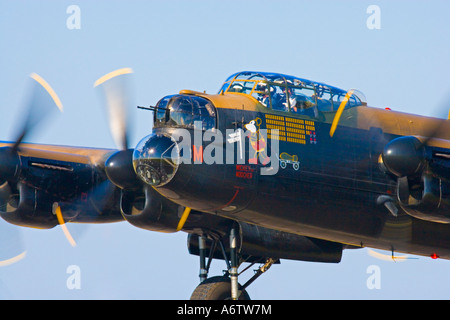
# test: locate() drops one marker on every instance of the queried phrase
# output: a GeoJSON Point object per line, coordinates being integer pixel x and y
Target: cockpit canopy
{"type": "Point", "coordinates": [290, 94]}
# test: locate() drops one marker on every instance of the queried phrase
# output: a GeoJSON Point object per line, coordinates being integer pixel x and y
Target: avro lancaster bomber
{"type": "Point", "coordinates": [271, 167]}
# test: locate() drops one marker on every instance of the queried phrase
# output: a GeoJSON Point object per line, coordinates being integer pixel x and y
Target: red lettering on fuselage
{"type": "Point", "coordinates": [198, 154]}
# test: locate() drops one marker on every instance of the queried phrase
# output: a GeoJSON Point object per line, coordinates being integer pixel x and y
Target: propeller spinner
{"type": "Point", "coordinates": [404, 156]}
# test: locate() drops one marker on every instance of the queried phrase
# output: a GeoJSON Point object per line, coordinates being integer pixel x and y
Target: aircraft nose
{"type": "Point", "coordinates": [156, 159]}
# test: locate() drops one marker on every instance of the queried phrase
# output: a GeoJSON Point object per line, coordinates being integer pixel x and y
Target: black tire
{"type": "Point", "coordinates": [216, 288]}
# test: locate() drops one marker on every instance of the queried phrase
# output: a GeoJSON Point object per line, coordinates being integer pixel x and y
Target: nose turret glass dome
{"type": "Point", "coordinates": [156, 159]}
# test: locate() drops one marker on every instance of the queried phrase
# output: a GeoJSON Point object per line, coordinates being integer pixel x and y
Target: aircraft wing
{"type": "Point", "coordinates": [40, 181]}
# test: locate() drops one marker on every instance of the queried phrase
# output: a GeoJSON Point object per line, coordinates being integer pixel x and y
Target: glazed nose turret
{"type": "Point", "coordinates": [156, 159]}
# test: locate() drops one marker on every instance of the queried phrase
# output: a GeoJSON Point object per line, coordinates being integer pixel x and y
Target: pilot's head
{"type": "Point", "coordinates": [237, 87]}
{"type": "Point", "coordinates": [262, 87]}
{"type": "Point", "coordinates": [288, 90]}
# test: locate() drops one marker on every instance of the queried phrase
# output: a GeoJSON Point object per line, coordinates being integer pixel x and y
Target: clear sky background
{"type": "Point", "coordinates": [174, 45]}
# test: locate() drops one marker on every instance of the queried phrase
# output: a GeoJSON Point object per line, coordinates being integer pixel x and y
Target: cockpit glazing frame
{"type": "Point", "coordinates": [286, 93]}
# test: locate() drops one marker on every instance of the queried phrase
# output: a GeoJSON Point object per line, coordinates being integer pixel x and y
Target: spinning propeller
{"type": "Point", "coordinates": [141, 205]}
{"type": "Point", "coordinates": [117, 101]}
{"type": "Point", "coordinates": [407, 157]}
{"type": "Point", "coordinates": [389, 257]}
{"type": "Point", "coordinates": [40, 107]}
{"type": "Point", "coordinates": [12, 248]}
{"type": "Point", "coordinates": [119, 167]}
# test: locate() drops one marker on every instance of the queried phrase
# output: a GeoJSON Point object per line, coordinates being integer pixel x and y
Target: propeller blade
{"type": "Point", "coordinates": [406, 156]}
{"type": "Point", "coordinates": [12, 248]}
{"type": "Point", "coordinates": [117, 101]}
{"type": "Point", "coordinates": [101, 196]}
{"type": "Point", "coordinates": [441, 130]}
{"type": "Point", "coordinates": [350, 93]}
{"type": "Point", "coordinates": [337, 117]}
{"type": "Point", "coordinates": [93, 204]}
{"type": "Point", "coordinates": [39, 108]}
{"type": "Point", "coordinates": [41, 105]}
{"type": "Point", "coordinates": [389, 257]}
{"type": "Point", "coordinates": [62, 223]}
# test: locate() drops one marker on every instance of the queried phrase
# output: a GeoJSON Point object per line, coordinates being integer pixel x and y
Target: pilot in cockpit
{"type": "Point", "coordinates": [290, 96]}
{"type": "Point", "coordinates": [300, 101]}
{"type": "Point", "coordinates": [263, 94]}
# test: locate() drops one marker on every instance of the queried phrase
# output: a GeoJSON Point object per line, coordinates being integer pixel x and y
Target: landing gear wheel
{"type": "Point", "coordinates": [216, 288]}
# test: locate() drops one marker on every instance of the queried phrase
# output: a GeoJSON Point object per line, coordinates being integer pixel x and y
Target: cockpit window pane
{"type": "Point", "coordinates": [250, 76]}
{"type": "Point", "coordinates": [248, 86]}
{"type": "Point", "coordinates": [337, 99]}
{"type": "Point", "coordinates": [244, 76]}
{"type": "Point", "coordinates": [261, 93]}
{"type": "Point", "coordinates": [353, 101]}
{"type": "Point", "coordinates": [324, 98]}
{"type": "Point", "coordinates": [236, 87]}
{"type": "Point", "coordinates": [302, 100]}
{"type": "Point", "coordinates": [279, 97]}
{"type": "Point", "coordinates": [244, 87]}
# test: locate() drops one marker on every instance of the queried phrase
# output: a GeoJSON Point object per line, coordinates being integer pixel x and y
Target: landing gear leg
{"type": "Point", "coordinates": [234, 266]}
{"type": "Point", "coordinates": [225, 287]}
{"type": "Point", "coordinates": [202, 248]}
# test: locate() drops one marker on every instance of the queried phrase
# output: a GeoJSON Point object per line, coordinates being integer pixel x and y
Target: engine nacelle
{"type": "Point", "coordinates": [421, 167]}
{"type": "Point", "coordinates": [257, 242]}
{"type": "Point", "coordinates": [26, 207]}
{"type": "Point", "coordinates": [37, 183]}
{"type": "Point", "coordinates": [427, 198]}
{"type": "Point", "coordinates": [150, 211]}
